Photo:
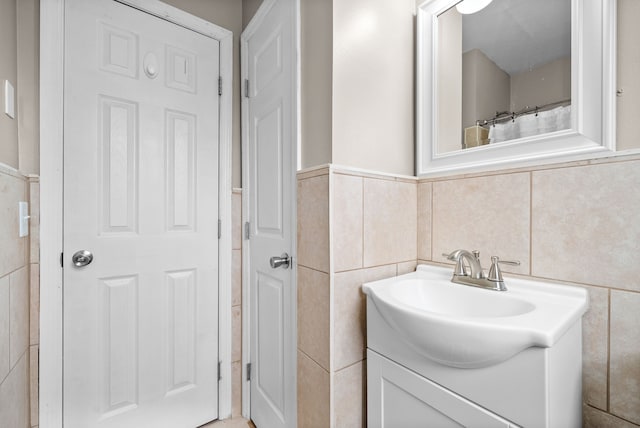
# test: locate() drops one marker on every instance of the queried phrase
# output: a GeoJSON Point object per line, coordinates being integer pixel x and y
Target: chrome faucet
{"type": "Point", "coordinates": [474, 276]}
{"type": "Point", "coordinates": [459, 256]}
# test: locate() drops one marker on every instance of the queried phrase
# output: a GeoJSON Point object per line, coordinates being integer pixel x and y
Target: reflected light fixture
{"type": "Point", "coordinates": [467, 7]}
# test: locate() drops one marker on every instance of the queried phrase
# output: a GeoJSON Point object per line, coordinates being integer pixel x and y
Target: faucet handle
{"type": "Point", "coordinates": [495, 274]}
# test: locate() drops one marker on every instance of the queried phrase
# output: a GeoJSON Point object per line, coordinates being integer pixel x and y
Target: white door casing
{"type": "Point", "coordinates": [117, 108]}
{"type": "Point", "coordinates": [270, 135]}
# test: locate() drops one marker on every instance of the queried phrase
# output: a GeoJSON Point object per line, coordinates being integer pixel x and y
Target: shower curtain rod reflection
{"type": "Point", "coordinates": [502, 116]}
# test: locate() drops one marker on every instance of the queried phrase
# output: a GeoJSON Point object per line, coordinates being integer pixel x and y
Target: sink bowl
{"type": "Point", "coordinates": [468, 327]}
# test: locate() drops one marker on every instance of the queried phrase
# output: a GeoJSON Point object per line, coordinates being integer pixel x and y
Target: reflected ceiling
{"type": "Point", "coordinates": [519, 35]}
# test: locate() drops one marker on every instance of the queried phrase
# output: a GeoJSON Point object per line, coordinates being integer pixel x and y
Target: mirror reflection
{"type": "Point", "coordinates": [504, 72]}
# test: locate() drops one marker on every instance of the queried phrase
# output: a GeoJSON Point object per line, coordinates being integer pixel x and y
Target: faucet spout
{"type": "Point", "coordinates": [473, 260]}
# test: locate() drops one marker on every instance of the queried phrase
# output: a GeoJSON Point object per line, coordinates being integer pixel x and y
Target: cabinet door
{"type": "Point", "coordinates": [398, 397]}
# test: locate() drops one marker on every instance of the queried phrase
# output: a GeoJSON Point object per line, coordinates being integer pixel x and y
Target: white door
{"type": "Point", "coordinates": [270, 135]}
{"type": "Point", "coordinates": [141, 195]}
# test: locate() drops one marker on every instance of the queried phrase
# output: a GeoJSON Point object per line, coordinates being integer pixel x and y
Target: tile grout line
{"type": "Point", "coordinates": [530, 222]}
{"type": "Point", "coordinates": [608, 350]}
{"type": "Point", "coordinates": [348, 366]}
{"type": "Point", "coordinates": [373, 266]}
{"type": "Point", "coordinates": [11, 369]}
{"type": "Point", "coordinates": [313, 269]}
{"type": "Point", "coordinates": [610, 414]}
{"type": "Point", "coordinates": [432, 220]}
{"type": "Point", "coordinates": [362, 224]}
{"type": "Point", "coordinates": [331, 183]}
{"type": "Point", "coordinates": [313, 359]}
{"type": "Point", "coordinates": [417, 222]}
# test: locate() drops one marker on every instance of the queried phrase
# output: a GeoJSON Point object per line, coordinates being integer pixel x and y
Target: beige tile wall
{"type": "Point", "coordinates": [577, 223]}
{"type": "Point", "coordinates": [14, 304]}
{"type": "Point", "coordinates": [34, 297]}
{"type": "Point", "coordinates": [352, 228]}
{"type": "Point", "coordinates": [490, 214]}
{"type": "Point", "coordinates": [314, 310]}
{"type": "Point", "coordinates": [236, 302]}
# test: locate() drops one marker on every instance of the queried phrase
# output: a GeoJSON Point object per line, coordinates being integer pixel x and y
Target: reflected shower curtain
{"type": "Point", "coordinates": [531, 124]}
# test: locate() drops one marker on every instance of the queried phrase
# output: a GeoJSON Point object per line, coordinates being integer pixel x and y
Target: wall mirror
{"type": "Point", "coordinates": [513, 82]}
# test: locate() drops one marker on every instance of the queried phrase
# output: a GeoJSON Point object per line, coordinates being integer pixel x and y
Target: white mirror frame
{"type": "Point", "coordinates": [593, 75]}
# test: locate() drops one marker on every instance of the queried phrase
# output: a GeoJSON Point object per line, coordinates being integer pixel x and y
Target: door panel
{"type": "Point", "coordinates": [140, 193]}
{"type": "Point", "coordinates": [117, 149]}
{"type": "Point", "coordinates": [270, 120]}
{"type": "Point", "coordinates": [118, 340]}
{"type": "Point", "coordinates": [269, 152]}
{"type": "Point", "coordinates": [271, 341]}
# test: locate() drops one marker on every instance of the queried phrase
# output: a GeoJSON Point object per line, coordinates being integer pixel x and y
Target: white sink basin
{"type": "Point", "coordinates": [468, 327]}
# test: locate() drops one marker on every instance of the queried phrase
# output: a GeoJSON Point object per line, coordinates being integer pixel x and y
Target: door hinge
{"type": "Point", "coordinates": [219, 371]}
{"type": "Point", "coordinates": [219, 228]}
{"type": "Point", "coordinates": [61, 259]}
{"type": "Point", "coordinates": [249, 371]}
{"type": "Point", "coordinates": [246, 88]}
{"type": "Point", "coordinates": [220, 85]}
{"type": "Point", "coordinates": [247, 230]}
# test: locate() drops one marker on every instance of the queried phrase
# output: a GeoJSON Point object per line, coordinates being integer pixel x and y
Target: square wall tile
{"type": "Point", "coordinates": [313, 223]}
{"type": "Point", "coordinates": [587, 216]}
{"type": "Point", "coordinates": [424, 220]}
{"type": "Point", "coordinates": [349, 313]}
{"type": "Point", "coordinates": [406, 267]}
{"type": "Point", "coordinates": [5, 317]}
{"type": "Point", "coordinates": [34, 303]}
{"type": "Point", "coordinates": [390, 222]}
{"type": "Point", "coordinates": [595, 348]}
{"type": "Point", "coordinates": [236, 389]}
{"type": "Point", "coordinates": [313, 315]}
{"type": "Point", "coordinates": [13, 249]}
{"type": "Point", "coordinates": [34, 221]}
{"type": "Point", "coordinates": [350, 394]}
{"type": "Point", "coordinates": [489, 214]}
{"type": "Point", "coordinates": [34, 380]}
{"type": "Point", "coordinates": [346, 206]}
{"type": "Point", "coordinates": [236, 220]}
{"type": "Point", "coordinates": [313, 394]}
{"type": "Point", "coordinates": [19, 312]}
{"type": "Point", "coordinates": [594, 418]}
{"type": "Point", "coordinates": [236, 277]}
{"type": "Point", "coordinates": [14, 396]}
{"type": "Point", "coordinates": [236, 333]}
{"type": "Point", "coordinates": [624, 387]}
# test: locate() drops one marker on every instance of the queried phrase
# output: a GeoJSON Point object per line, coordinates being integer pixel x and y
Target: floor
{"type": "Point", "coordinates": [230, 423]}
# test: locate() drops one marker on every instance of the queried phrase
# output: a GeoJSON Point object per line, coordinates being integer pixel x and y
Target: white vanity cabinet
{"type": "Point", "coordinates": [398, 397]}
{"type": "Point", "coordinates": [537, 388]}
{"type": "Point", "coordinates": [432, 347]}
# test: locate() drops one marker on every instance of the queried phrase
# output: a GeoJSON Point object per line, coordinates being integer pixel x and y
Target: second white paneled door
{"type": "Point", "coordinates": [270, 136]}
{"type": "Point", "coordinates": [141, 196]}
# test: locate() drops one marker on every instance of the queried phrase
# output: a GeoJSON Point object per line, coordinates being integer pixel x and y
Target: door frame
{"type": "Point", "coordinates": [51, 199]}
{"type": "Point", "coordinates": [249, 31]}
